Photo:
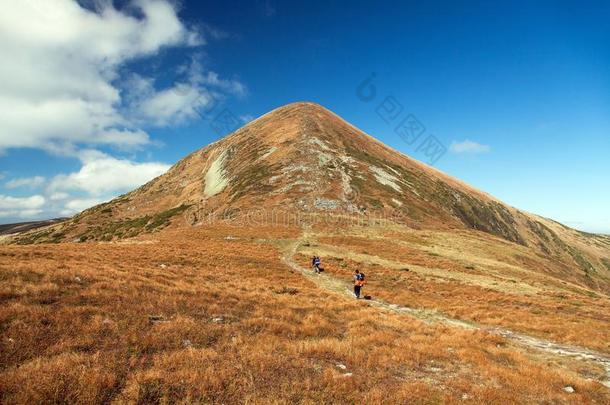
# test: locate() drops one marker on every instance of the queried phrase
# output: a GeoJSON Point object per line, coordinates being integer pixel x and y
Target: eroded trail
{"type": "Point", "coordinates": [341, 287]}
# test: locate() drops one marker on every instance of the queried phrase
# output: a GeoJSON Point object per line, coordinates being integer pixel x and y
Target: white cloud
{"type": "Point", "coordinates": [184, 100]}
{"type": "Point", "coordinates": [30, 182]}
{"type": "Point", "coordinates": [100, 178]}
{"type": "Point", "coordinates": [59, 76]}
{"type": "Point", "coordinates": [21, 206]}
{"type": "Point", "coordinates": [172, 106]}
{"type": "Point", "coordinates": [102, 174]}
{"type": "Point", "coordinates": [468, 146]}
{"type": "Point", "coordinates": [58, 196]}
{"type": "Point", "coordinates": [65, 87]}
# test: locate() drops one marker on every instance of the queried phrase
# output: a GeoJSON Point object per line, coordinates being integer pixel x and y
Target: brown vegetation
{"type": "Point", "coordinates": [471, 279]}
{"type": "Point", "coordinates": [154, 297]}
{"type": "Point", "coordinates": [212, 315]}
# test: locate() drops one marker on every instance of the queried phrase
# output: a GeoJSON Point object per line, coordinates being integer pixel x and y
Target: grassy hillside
{"type": "Point", "coordinates": [301, 158]}
{"type": "Point", "coordinates": [214, 315]}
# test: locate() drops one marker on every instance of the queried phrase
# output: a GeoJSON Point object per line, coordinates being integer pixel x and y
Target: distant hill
{"type": "Point", "coordinates": [19, 227]}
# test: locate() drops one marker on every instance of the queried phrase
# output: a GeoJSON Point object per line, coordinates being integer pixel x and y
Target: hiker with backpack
{"type": "Point", "coordinates": [316, 261]}
{"type": "Point", "coordinates": [358, 283]}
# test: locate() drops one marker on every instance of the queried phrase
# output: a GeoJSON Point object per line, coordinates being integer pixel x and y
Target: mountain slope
{"type": "Point", "coordinates": [302, 158]}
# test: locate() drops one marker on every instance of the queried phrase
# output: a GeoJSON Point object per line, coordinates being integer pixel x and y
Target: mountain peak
{"type": "Point", "coordinates": [295, 118]}
{"type": "Point", "coordinates": [301, 157]}
{"type": "Point", "coordinates": [301, 107]}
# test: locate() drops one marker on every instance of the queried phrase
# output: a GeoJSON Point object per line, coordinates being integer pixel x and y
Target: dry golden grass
{"type": "Point", "coordinates": [194, 317]}
{"type": "Point", "coordinates": [403, 270]}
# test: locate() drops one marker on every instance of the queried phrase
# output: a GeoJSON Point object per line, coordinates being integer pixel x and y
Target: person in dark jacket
{"type": "Point", "coordinates": [316, 264]}
{"type": "Point", "coordinates": [358, 283]}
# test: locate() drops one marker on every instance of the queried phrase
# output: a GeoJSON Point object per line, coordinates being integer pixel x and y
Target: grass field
{"type": "Point", "coordinates": [215, 316]}
{"type": "Point", "coordinates": [484, 283]}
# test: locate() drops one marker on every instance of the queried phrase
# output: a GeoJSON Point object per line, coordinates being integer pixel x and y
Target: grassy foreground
{"type": "Point", "coordinates": [215, 316]}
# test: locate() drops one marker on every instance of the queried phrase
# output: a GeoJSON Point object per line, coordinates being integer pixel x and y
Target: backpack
{"type": "Point", "coordinates": [360, 277]}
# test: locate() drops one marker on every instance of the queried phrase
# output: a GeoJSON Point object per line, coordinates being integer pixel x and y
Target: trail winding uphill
{"type": "Point", "coordinates": [521, 340]}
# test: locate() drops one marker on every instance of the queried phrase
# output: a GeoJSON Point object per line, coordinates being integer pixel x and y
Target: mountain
{"type": "Point", "coordinates": [302, 158]}
{"type": "Point", "coordinates": [19, 227]}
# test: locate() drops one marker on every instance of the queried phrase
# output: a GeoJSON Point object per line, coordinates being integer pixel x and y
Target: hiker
{"type": "Point", "coordinates": [358, 283]}
{"type": "Point", "coordinates": [316, 264]}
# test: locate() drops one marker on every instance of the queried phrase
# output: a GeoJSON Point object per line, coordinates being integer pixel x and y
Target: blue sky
{"type": "Point", "coordinates": [104, 96]}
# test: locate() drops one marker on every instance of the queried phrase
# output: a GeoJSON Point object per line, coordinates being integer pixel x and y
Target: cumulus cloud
{"type": "Point", "coordinates": [192, 93]}
{"type": "Point", "coordinates": [66, 87]}
{"type": "Point", "coordinates": [171, 106]}
{"type": "Point", "coordinates": [60, 76]}
{"type": "Point", "coordinates": [100, 178]}
{"type": "Point", "coordinates": [21, 207]}
{"type": "Point", "coordinates": [102, 174]}
{"type": "Point", "coordinates": [468, 146]}
{"type": "Point", "coordinates": [59, 64]}
{"type": "Point", "coordinates": [29, 182]}
{"type": "Point", "coordinates": [58, 196]}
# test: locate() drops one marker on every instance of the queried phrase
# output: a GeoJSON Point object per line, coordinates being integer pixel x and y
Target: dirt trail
{"type": "Point", "coordinates": [340, 287]}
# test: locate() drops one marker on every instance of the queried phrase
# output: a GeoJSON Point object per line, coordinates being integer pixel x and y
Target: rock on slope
{"type": "Point", "coordinates": [304, 158]}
